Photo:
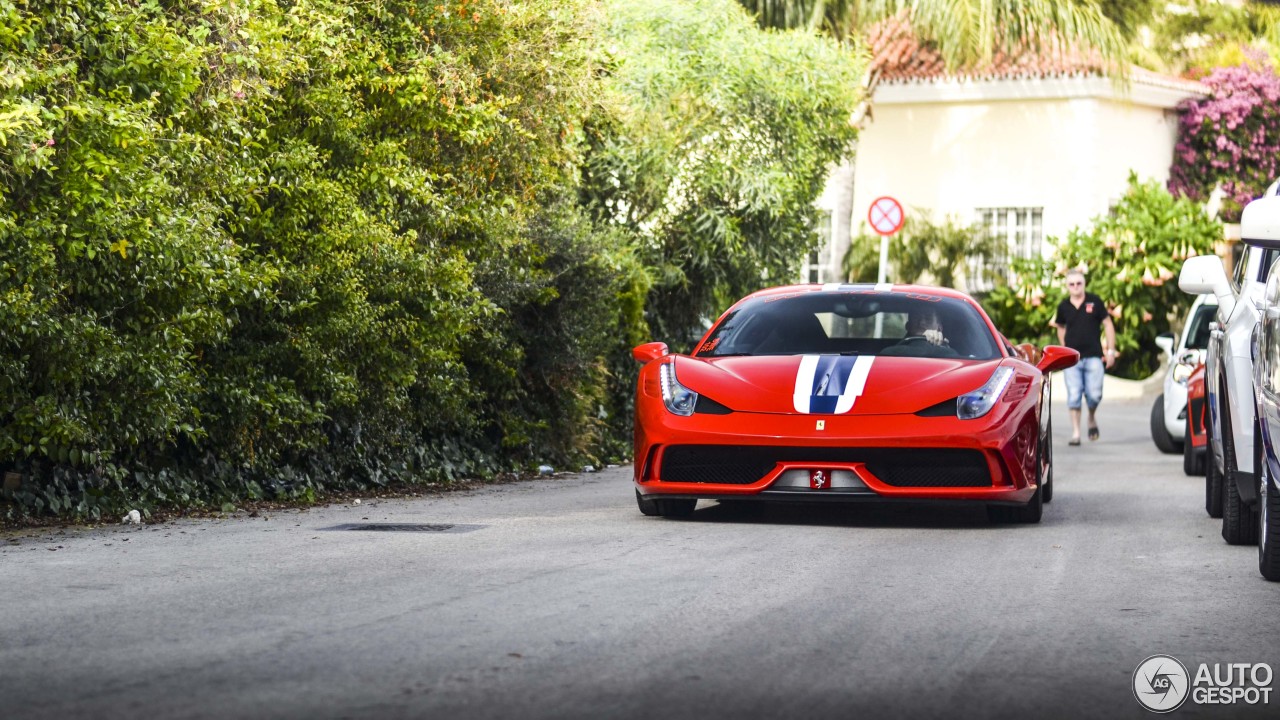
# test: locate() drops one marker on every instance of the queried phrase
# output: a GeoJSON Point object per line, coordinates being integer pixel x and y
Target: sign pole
{"type": "Point", "coordinates": [883, 273]}
{"type": "Point", "coordinates": [886, 217]}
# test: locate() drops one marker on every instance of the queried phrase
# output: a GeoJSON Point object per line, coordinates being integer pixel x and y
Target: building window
{"type": "Point", "coordinates": [1019, 233]}
{"type": "Point", "coordinates": [818, 266]}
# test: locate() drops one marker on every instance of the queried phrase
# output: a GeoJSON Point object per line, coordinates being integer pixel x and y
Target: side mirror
{"type": "Point", "coordinates": [1027, 352]}
{"type": "Point", "coordinates": [1260, 222]}
{"type": "Point", "coordinates": [1165, 341]}
{"type": "Point", "coordinates": [1204, 274]}
{"type": "Point", "coordinates": [649, 351]}
{"type": "Point", "coordinates": [1057, 357]}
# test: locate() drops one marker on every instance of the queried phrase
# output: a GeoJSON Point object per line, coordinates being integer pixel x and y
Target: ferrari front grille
{"type": "Point", "coordinates": [900, 467]}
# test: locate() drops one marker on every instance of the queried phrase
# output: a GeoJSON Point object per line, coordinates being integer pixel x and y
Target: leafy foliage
{"type": "Point", "coordinates": [966, 32]}
{"type": "Point", "coordinates": [717, 138]}
{"type": "Point", "coordinates": [256, 248]}
{"type": "Point", "coordinates": [268, 249]}
{"type": "Point", "coordinates": [1230, 139]}
{"type": "Point", "coordinates": [1131, 258]}
{"type": "Point", "coordinates": [1195, 36]}
{"type": "Point", "coordinates": [923, 251]}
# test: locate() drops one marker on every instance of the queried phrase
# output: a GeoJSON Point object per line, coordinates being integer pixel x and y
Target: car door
{"type": "Point", "coordinates": [1267, 367]}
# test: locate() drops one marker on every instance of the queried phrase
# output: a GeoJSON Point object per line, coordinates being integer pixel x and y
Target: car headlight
{"type": "Point", "coordinates": [1181, 372]}
{"type": "Point", "coordinates": [979, 402]}
{"type": "Point", "coordinates": [679, 399]}
{"type": "Point", "coordinates": [1186, 364]}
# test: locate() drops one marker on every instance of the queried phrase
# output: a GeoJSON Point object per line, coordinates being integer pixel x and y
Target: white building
{"type": "Point", "coordinates": [1030, 148]}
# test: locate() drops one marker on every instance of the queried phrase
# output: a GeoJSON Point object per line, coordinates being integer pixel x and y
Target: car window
{"type": "Point", "coordinates": [1237, 273]}
{"type": "Point", "coordinates": [856, 322]}
{"type": "Point", "coordinates": [1268, 258]}
{"type": "Point", "coordinates": [1198, 330]}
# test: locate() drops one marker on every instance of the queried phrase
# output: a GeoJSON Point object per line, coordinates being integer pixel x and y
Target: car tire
{"type": "Point", "coordinates": [1239, 527]}
{"type": "Point", "coordinates": [1268, 526]}
{"type": "Point", "coordinates": [1212, 486]}
{"type": "Point", "coordinates": [1192, 462]}
{"type": "Point", "coordinates": [666, 507]}
{"type": "Point", "coordinates": [1047, 487]}
{"type": "Point", "coordinates": [1159, 433]}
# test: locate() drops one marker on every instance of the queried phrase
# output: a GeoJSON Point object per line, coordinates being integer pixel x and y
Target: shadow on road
{"type": "Point", "coordinates": [869, 514]}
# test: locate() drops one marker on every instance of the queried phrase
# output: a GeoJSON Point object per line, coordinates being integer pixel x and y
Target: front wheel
{"type": "Point", "coordinates": [1212, 485]}
{"type": "Point", "coordinates": [1159, 433]}
{"type": "Point", "coordinates": [1268, 525]}
{"type": "Point", "coordinates": [1048, 463]}
{"type": "Point", "coordinates": [1191, 460]}
{"type": "Point", "coordinates": [1238, 524]}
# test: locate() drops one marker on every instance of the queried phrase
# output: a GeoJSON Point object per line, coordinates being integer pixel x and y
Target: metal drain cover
{"type": "Point", "coordinates": [406, 527]}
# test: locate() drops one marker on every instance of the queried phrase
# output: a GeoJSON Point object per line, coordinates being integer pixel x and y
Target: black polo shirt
{"type": "Point", "coordinates": [1083, 324]}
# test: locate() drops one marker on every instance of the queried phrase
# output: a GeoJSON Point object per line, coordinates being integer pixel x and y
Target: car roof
{"type": "Point", "coordinates": [860, 287]}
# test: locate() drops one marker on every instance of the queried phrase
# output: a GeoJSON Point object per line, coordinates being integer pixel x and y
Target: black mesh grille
{"type": "Point", "coordinates": [1197, 416]}
{"type": "Point", "coordinates": [911, 472]}
{"type": "Point", "coordinates": [907, 467]}
{"type": "Point", "coordinates": [714, 464]}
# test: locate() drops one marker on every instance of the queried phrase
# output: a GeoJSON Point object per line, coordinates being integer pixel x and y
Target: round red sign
{"type": "Point", "coordinates": [886, 215]}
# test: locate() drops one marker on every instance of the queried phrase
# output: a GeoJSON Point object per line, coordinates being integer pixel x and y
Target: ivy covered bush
{"type": "Point", "coordinates": [271, 249]}
{"type": "Point", "coordinates": [1230, 138]}
{"type": "Point", "coordinates": [267, 248]}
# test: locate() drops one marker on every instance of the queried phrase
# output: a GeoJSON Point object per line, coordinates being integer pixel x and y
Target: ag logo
{"type": "Point", "coordinates": [1161, 683]}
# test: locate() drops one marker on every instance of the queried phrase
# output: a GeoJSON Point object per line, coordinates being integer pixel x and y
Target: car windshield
{"type": "Point", "coordinates": [855, 322]}
{"type": "Point", "coordinates": [1198, 335]}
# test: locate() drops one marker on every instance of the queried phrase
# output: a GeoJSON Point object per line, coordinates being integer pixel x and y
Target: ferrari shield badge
{"type": "Point", "coordinates": [822, 425]}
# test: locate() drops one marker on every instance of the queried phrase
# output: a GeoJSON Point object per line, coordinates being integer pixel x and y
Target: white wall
{"type": "Point", "coordinates": [1064, 145]}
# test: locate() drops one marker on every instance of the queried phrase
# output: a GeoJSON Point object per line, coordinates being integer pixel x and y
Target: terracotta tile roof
{"type": "Point", "coordinates": [899, 57]}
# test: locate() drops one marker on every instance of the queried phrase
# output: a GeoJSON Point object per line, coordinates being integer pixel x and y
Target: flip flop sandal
{"type": "Point", "coordinates": [1073, 441]}
{"type": "Point", "coordinates": [1093, 433]}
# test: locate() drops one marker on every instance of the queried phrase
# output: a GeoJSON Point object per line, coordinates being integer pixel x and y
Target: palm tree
{"type": "Point", "coordinates": [966, 33]}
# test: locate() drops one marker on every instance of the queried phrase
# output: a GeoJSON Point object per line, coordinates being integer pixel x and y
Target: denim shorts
{"type": "Point", "coordinates": [1085, 378]}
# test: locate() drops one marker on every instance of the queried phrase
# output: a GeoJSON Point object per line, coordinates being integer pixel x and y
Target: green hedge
{"type": "Point", "coordinates": [264, 248]}
{"type": "Point", "coordinates": [267, 249]}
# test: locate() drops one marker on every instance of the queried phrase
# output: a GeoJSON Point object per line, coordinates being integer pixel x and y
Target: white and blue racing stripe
{"type": "Point", "coordinates": [829, 384]}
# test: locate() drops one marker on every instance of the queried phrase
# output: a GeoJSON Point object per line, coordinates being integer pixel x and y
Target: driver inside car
{"type": "Point", "coordinates": [926, 324]}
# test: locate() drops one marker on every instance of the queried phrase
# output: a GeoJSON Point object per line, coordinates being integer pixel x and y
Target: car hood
{"type": "Point", "coordinates": [832, 384]}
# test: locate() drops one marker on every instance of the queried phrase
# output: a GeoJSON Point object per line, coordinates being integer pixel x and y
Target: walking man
{"type": "Point", "coordinates": [1078, 320]}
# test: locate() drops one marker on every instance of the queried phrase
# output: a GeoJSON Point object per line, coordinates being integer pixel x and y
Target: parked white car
{"type": "Point", "coordinates": [1260, 225]}
{"type": "Point", "coordinates": [1229, 382]}
{"type": "Point", "coordinates": [1169, 412]}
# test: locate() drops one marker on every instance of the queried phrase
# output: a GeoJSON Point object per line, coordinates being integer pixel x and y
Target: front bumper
{"type": "Point", "coordinates": [884, 457]}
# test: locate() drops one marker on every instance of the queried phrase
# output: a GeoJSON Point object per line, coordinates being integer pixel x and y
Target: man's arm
{"type": "Point", "coordinates": [1109, 350]}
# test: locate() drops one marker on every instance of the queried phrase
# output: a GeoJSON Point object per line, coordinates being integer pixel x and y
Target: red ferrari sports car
{"type": "Point", "coordinates": [1196, 445]}
{"type": "Point", "coordinates": [847, 393]}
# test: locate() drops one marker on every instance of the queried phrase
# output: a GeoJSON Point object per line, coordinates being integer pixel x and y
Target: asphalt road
{"type": "Point", "coordinates": [556, 599]}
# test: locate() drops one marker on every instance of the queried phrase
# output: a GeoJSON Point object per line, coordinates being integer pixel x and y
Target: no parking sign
{"type": "Point", "coordinates": [886, 215]}
{"type": "Point", "coordinates": [886, 218]}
